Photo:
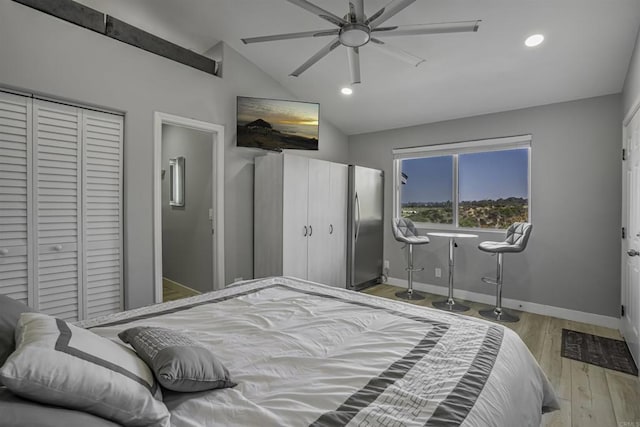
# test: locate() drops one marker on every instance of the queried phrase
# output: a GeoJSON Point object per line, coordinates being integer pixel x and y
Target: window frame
{"type": "Point", "coordinates": [455, 149]}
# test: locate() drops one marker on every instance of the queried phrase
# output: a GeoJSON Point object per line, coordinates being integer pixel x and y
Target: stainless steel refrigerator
{"type": "Point", "coordinates": [365, 227]}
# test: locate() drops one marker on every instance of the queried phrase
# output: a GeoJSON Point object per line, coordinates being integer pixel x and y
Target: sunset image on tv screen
{"type": "Point", "coordinates": [276, 124]}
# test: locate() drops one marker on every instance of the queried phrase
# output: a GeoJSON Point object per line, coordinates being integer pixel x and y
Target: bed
{"type": "Point", "coordinates": [305, 354]}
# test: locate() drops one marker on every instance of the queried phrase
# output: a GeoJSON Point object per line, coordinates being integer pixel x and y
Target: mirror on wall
{"type": "Point", "coordinates": [176, 175]}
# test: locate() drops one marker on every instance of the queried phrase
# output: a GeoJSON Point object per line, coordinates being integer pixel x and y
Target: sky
{"type": "Point", "coordinates": [297, 118]}
{"type": "Point", "coordinates": [482, 176]}
{"type": "Point", "coordinates": [429, 179]}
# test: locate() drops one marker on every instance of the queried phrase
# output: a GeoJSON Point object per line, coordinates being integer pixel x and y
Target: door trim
{"type": "Point", "coordinates": [217, 132]}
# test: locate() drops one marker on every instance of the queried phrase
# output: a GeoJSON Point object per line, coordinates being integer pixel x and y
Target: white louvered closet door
{"type": "Point", "coordinates": [57, 200]}
{"type": "Point", "coordinates": [15, 191]}
{"type": "Point", "coordinates": [102, 212]}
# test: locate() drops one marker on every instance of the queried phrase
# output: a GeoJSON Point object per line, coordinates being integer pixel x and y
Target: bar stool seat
{"type": "Point", "coordinates": [515, 241]}
{"type": "Point", "coordinates": [414, 240]}
{"type": "Point", "coordinates": [499, 247]}
{"type": "Point", "coordinates": [405, 232]}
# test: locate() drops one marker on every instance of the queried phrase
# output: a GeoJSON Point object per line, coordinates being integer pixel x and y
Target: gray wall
{"type": "Point", "coordinates": [50, 56]}
{"type": "Point", "coordinates": [187, 243]}
{"type": "Point", "coordinates": [631, 91]}
{"type": "Point", "coordinates": [573, 257]}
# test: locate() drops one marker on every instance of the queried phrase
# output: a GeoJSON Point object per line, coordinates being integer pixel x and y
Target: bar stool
{"type": "Point", "coordinates": [404, 231]}
{"type": "Point", "coordinates": [516, 241]}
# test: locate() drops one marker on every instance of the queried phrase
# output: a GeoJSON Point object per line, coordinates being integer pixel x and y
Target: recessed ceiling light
{"type": "Point", "coordinates": [346, 91]}
{"type": "Point", "coordinates": [534, 40]}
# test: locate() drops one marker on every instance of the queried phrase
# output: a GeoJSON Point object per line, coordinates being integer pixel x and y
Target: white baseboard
{"type": "Point", "coordinates": [530, 307]}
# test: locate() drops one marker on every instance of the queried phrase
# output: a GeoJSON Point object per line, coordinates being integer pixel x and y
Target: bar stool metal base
{"type": "Point", "coordinates": [498, 313]}
{"type": "Point", "coordinates": [411, 296]}
{"type": "Point", "coordinates": [450, 305]}
{"type": "Point", "coordinates": [500, 316]}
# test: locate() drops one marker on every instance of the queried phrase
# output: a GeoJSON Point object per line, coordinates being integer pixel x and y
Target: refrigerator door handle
{"type": "Point", "coordinates": [358, 220]}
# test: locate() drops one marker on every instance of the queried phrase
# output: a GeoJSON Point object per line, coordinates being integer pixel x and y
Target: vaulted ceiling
{"type": "Point", "coordinates": [586, 52]}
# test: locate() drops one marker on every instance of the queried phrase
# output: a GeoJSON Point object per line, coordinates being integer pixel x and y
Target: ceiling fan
{"type": "Point", "coordinates": [356, 30]}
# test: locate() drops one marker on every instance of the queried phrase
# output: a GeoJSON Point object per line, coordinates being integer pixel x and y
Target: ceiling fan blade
{"type": "Point", "coordinates": [441, 28]}
{"type": "Point", "coordinates": [317, 10]}
{"type": "Point", "coordinates": [317, 57]}
{"type": "Point", "coordinates": [397, 52]}
{"type": "Point", "coordinates": [319, 33]}
{"type": "Point", "coordinates": [354, 64]}
{"type": "Point", "coordinates": [387, 12]}
{"type": "Point", "coordinates": [356, 8]}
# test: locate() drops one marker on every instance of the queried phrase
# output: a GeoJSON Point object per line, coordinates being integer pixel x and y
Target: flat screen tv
{"type": "Point", "coordinates": [274, 124]}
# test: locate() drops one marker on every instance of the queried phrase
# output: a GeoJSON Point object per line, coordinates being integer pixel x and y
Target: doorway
{"type": "Point", "coordinates": [188, 207]}
{"type": "Point", "coordinates": [630, 318]}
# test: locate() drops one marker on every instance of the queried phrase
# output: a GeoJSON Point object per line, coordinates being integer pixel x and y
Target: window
{"type": "Point", "coordinates": [476, 184]}
{"type": "Point", "coordinates": [427, 189]}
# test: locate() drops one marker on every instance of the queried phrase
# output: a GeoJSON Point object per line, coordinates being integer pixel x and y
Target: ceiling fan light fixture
{"type": "Point", "coordinates": [355, 30]}
{"type": "Point", "coordinates": [355, 35]}
{"type": "Point", "coordinates": [534, 40]}
{"type": "Point", "coordinates": [346, 90]}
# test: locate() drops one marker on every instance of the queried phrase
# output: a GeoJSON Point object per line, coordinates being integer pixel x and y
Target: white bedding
{"type": "Point", "coordinates": [308, 354]}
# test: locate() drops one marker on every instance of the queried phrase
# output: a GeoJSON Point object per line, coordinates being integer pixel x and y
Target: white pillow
{"type": "Point", "coordinates": [61, 364]}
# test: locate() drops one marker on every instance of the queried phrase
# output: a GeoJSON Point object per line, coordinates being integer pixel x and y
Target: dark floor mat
{"type": "Point", "coordinates": [600, 351]}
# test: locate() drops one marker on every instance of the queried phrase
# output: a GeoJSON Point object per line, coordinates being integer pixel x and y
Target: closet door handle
{"type": "Point", "coordinates": [57, 248]}
{"type": "Point", "coordinates": [305, 231]}
{"type": "Point", "coordinates": [330, 228]}
{"type": "Point", "coordinates": [4, 251]}
{"type": "Point", "coordinates": [310, 231]}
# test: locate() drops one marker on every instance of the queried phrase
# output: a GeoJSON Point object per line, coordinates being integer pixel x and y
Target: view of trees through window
{"type": "Point", "coordinates": [493, 189]}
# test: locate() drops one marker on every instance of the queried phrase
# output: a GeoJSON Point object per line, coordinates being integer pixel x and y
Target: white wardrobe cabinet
{"type": "Point", "coordinates": [300, 218]}
{"type": "Point", "coordinates": [60, 207]}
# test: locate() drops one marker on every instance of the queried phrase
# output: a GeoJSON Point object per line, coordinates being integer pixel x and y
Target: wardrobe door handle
{"type": "Point", "coordinates": [305, 231]}
{"type": "Point", "coordinates": [57, 248]}
{"type": "Point", "coordinates": [310, 231]}
{"type": "Point", "coordinates": [330, 228]}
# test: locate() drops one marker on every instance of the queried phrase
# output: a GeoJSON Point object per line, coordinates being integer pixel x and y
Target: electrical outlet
{"type": "Point", "coordinates": [438, 272]}
{"type": "Point", "coordinates": [386, 264]}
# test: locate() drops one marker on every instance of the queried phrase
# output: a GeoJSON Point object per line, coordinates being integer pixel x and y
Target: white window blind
{"type": "Point", "coordinates": [493, 144]}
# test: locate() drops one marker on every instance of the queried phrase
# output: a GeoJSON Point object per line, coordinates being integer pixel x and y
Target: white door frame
{"type": "Point", "coordinates": [217, 132]}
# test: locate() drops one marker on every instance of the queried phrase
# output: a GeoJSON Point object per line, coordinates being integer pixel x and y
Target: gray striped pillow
{"type": "Point", "coordinates": [60, 364]}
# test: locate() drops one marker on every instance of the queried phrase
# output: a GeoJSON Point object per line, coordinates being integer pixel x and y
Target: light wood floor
{"type": "Point", "coordinates": [172, 291]}
{"type": "Point", "coordinates": [589, 395]}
